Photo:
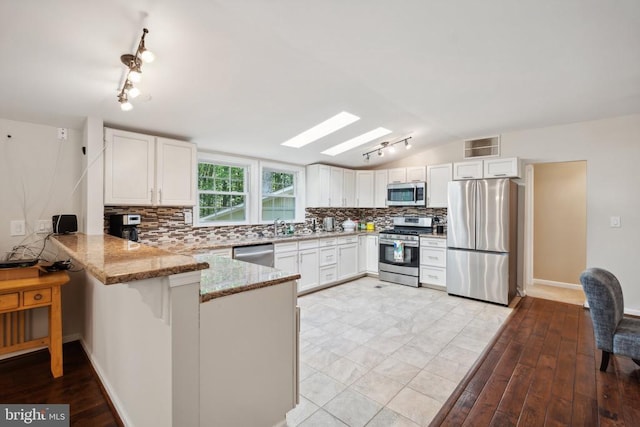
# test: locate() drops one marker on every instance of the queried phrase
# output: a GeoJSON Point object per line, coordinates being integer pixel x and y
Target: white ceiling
{"type": "Point", "coordinates": [242, 76]}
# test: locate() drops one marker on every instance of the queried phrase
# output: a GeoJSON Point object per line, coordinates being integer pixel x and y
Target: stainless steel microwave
{"type": "Point", "coordinates": [407, 194]}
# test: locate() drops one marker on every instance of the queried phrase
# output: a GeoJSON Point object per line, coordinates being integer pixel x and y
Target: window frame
{"type": "Point", "coordinates": [298, 173]}
{"type": "Point", "coordinates": [224, 160]}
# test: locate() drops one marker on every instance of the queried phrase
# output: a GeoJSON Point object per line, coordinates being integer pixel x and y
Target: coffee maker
{"type": "Point", "coordinates": [125, 226]}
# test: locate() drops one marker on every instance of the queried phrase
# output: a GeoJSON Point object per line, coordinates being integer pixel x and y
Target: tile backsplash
{"type": "Point", "coordinates": [165, 225]}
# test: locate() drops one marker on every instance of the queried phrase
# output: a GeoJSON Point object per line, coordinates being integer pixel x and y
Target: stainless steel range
{"type": "Point", "coordinates": [399, 254]}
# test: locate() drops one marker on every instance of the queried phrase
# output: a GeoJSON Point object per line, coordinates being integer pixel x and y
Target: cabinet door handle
{"type": "Point", "coordinates": [466, 177]}
{"type": "Point", "coordinates": [37, 297]}
{"type": "Point", "coordinates": [499, 174]}
{"type": "Point", "coordinates": [160, 195]}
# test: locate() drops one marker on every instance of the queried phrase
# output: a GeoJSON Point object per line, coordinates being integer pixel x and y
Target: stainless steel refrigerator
{"type": "Point", "coordinates": [482, 239]}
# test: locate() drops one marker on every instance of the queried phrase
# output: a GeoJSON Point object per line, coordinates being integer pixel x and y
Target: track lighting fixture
{"type": "Point", "coordinates": [387, 146]}
{"type": "Point", "coordinates": [134, 73]}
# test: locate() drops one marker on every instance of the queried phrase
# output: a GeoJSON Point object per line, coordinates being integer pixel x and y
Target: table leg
{"type": "Point", "coordinates": [55, 332]}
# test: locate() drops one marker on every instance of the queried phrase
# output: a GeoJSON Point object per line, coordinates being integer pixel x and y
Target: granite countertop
{"type": "Point", "coordinates": [226, 276]}
{"type": "Point", "coordinates": [202, 247]}
{"type": "Point", "coordinates": [114, 260]}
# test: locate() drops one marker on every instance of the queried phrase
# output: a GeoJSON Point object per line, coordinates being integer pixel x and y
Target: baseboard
{"type": "Point", "coordinates": [117, 404]}
{"type": "Point", "coordinates": [556, 284]}
{"type": "Point", "coordinates": [629, 311]}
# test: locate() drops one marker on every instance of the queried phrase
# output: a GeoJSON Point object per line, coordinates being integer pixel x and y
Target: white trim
{"type": "Point", "coordinates": [117, 404]}
{"type": "Point", "coordinates": [556, 284]}
{"type": "Point", "coordinates": [528, 227]}
{"type": "Point", "coordinates": [299, 183]}
{"type": "Point", "coordinates": [631, 311]}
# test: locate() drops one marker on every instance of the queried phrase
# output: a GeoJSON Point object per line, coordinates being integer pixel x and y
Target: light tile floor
{"type": "Point", "coordinates": [379, 354]}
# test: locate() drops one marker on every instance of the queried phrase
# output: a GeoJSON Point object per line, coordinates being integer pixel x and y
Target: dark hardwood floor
{"type": "Point", "coordinates": [543, 370]}
{"type": "Point", "coordinates": [27, 379]}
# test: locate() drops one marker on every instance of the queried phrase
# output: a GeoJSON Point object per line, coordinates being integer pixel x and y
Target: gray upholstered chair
{"type": "Point", "coordinates": [614, 333]}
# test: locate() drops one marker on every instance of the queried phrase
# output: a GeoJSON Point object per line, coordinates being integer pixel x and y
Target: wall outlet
{"type": "Point", "coordinates": [614, 222]}
{"type": "Point", "coordinates": [63, 134]}
{"type": "Point", "coordinates": [18, 228]}
{"type": "Point", "coordinates": [188, 217]}
{"type": "Point", "coordinates": [44, 226]}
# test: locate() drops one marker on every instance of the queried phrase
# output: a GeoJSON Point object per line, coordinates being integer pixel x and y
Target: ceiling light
{"type": "Point", "coordinates": [357, 141]}
{"type": "Point", "coordinates": [386, 145]}
{"type": "Point", "coordinates": [134, 72]}
{"type": "Point", "coordinates": [323, 129]}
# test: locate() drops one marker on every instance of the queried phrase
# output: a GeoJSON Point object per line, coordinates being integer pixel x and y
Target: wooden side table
{"type": "Point", "coordinates": [19, 295]}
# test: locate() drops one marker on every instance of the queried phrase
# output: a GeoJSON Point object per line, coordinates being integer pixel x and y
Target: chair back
{"type": "Point", "coordinates": [606, 304]}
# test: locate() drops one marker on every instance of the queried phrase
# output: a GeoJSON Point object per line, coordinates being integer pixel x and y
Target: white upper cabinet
{"type": "Point", "coordinates": [348, 188]}
{"type": "Point", "coordinates": [336, 190]}
{"type": "Point", "coordinates": [176, 170]}
{"type": "Point", "coordinates": [438, 177]}
{"type": "Point", "coordinates": [129, 168]}
{"type": "Point", "coordinates": [396, 175]}
{"type": "Point", "coordinates": [489, 168]}
{"type": "Point", "coordinates": [416, 174]}
{"type": "Point", "coordinates": [318, 179]}
{"type": "Point", "coordinates": [144, 170]}
{"type": "Point", "coordinates": [329, 186]}
{"type": "Point", "coordinates": [364, 188]}
{"type": "Point", "coordinates": [502, 168]}
{"type": "Point", "coordinates": [381, 180]}
{"type": "Point", "coordinates": [468, 170]}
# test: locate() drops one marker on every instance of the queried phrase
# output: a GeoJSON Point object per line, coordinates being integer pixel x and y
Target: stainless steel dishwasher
{"type": "Point", "coordinates": [257, 254]}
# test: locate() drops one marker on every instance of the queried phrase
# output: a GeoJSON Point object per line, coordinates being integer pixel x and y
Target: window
{"type": "Point", "coordinates": [222, 193]}
{"type": "Point", "coordinates": [278, 195]}
{"type": "Point", "coordinates": [241, 191]}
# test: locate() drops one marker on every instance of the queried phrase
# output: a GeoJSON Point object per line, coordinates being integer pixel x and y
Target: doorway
{"type": "Point", "coordinates": [556, 229]}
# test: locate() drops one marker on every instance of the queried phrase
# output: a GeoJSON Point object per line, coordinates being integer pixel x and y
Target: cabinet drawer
{"type": "Point", "coordinates": [433, 257]}
{"type": "Point", "coordinates": [328, 274]}
{"type": "Point", "coordinates": [327, 242]}
{"type": "Point", "coordinates": [9, 301]}
{"type": "Point", "coordinates": [37, 297]}
{"type": "Point", "coordinates": [308, 244]}
{"type": "Point", "coordinates": [347, 239]}
{"type": "Point", "coordinates": [433, 275]}
{"type": "Point", "coordinates": [285, 247]}
{"type": "Point", "coordinates": [328, 256]}
{"type": "Point", "coordinates": [430, 241]}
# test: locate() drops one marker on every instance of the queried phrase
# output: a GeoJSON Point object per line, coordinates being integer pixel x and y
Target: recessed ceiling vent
{"type": "Point", "coordinates": [482, 147]}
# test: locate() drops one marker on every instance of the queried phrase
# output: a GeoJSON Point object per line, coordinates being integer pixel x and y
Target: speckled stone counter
{"type": "Point", "coordinates": [226, 276]}
{"type": "Point", "coordinates": [113, 260]}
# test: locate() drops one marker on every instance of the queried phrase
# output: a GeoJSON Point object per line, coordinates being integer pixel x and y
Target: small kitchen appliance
{"type": "Point", "coordinates": [329, 223]}
{"type": "Point", "coordinates": [399, 249]}
{"type": "Point", "coordinates": [64, 224]}
{"type": "Point", "coordinates": [125, 226]}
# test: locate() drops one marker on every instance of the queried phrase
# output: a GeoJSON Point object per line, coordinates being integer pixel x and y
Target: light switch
{"type": "Point", "coordinates": [188, 217]}
{"type": "Point", "coordinates": [614, 222]}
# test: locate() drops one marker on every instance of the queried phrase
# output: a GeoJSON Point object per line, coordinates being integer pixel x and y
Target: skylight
{"type": "Point", "coordinates": [356, 142]}
{"type": "Point", "coordinates": [323, 129]}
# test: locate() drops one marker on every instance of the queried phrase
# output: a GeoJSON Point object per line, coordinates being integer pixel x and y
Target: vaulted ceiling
{"type": "Point", "coordinates": [243, 76]}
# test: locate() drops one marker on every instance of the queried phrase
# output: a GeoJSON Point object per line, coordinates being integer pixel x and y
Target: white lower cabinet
{"type": "Point", "coordinates": [308, 265]}
{"type": "Point", "coordinates": [372, 255]}
{"type": "Point", "coordinates": [347, 257]}
{"type": "Point", "coordinates": [285, 256]}
{"type": "Point", "coordinates": [433, 262]}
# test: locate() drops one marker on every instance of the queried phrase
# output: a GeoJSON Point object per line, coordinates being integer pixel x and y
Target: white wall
{"type": "Point", "coordinates": [38, 173]}
{"type": "Point", "coordinates": [611, 148]}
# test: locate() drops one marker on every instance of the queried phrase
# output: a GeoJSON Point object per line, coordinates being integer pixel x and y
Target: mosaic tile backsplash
{"type": "Point", "coordinates": [165, 225]}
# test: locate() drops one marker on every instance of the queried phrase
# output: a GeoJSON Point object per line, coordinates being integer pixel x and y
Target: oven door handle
{"type": "Point", "coordinates": [390, 242]}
